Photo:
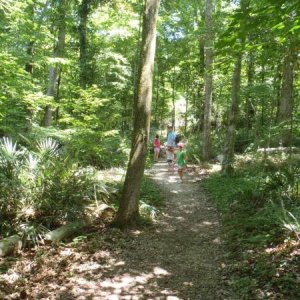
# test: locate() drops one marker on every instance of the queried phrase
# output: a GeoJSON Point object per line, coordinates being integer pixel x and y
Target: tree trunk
{"type": "Point", "coordinates": [277, 85]}
{"type": "Point", "coordinates": [250, 110]}
{"type": "Point", "coordinates": [29, 51]}
{"type": "Point", "coordinates": [83, 12]}
{"type": "Point", "coordinates": [286, 99]}
{"type": "Point", "coordinates": [208, 79]}
{"type": "Point", "coordinates": [200, 96]}
{"type": "Point", "coordinates": [128, 212]}
{"type": "Point", "coordinates": [58, 52]}
{"type": "Point", "coordinates": [227, 163]}
{"type": "Point", "coordinates": [137, 61]}
{"type": "Point", "coordinates": [173, 100]}
{"type": "Point", "coordinates": [157, 98]}
{"type": "Point", "coordinates": [186, 108]}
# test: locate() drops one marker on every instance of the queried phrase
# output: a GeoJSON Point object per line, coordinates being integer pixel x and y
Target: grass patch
{"type": "Point", "coordinates": [260, 208]}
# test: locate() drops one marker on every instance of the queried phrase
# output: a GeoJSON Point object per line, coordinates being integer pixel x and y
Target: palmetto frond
{"type": "Point", "coordinates": [48, 147]}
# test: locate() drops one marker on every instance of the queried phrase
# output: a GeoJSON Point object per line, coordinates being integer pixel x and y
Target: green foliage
{"type": "Point", "coordinates": [32, 234]}
{"type": "Point", "coordinates": [261, 211]}
{"type": "Point", "coordinates": [151, 201]}
{"type": "Point", "coordinates": [42, 184]}
{"type": "Point", "coordinates": [102, 150]}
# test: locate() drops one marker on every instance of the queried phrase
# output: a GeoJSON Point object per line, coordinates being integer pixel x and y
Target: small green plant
{"type": "Point", "coordinates": [10, 158]}
{"type": "Point", "coordinates": [32, 234]}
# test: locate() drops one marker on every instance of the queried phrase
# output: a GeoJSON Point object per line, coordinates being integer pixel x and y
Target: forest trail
{"type": "Point", "coordinates": [178, 258]}
{"type": "Point", "coordinates": [189, 238]}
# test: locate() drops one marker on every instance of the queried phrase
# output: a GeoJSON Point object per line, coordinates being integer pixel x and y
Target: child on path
{"type": "Point", "coordinates": [170, 147]}
{"type": "Point", "coordinates": [156, 145]}
{"type": "Point", "coordinates": [181, 161]}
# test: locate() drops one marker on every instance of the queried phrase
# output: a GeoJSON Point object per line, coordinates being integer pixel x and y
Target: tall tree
{"type": "Point", "coordinates": [227, 164]}
{"type": "Point", "coordinates": [57, 53]}
{"type": "Point", "coordinates": [286, 97]}
{"type": "Point", "coordinates": [128, 212]}
{"type": "Point", "coordinates": [208, 47]}
{"type": "Point", "coordinates": [83, 11]}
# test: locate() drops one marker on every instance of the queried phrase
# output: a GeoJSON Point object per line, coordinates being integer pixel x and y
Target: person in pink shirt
{"type": "Point", "coordinates": [156, 145]}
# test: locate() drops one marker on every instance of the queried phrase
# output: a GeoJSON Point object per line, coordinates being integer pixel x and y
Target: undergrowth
{"type": "Point", "coordinates": [151, 202]}
{"type": "Point", "coordinates": [260, 208]}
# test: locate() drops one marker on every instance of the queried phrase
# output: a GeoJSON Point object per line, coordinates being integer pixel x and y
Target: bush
{"type": "Point", "coordinates": [102, 150]}
{"type": "Point", "coordinates": [44, 184]}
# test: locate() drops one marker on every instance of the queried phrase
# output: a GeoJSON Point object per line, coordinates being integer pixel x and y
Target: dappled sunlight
{"type": "Point", "coordinates": [112, 174]}
{"type": "Point", "coordinates": [133, 285]}
{"type": "Point", "coordinates": [206, 223]}
{"type": "Point", "coordinates": [215, 168]}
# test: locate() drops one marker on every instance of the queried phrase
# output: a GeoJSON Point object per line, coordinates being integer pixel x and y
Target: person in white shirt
{"type": "Point", "coordinates": [171, 136]}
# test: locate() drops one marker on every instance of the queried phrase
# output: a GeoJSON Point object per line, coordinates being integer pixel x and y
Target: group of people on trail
{"type": "Point", "coordinates": [174, 151]}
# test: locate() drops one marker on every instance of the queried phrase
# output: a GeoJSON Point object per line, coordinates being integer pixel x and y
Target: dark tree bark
{"type": "Point", "coordinates": [137, 59]}
{"type": "Point", "coordinates": [173, 100]}
{"type": "Point", "coordinates": [29, 63]}
{"type": "Point", "coordinates": [83, 12]}
{"type": "Point", "coordinates": [227, 163]}
{"type": "Point", "coordinates": [128, 212]}
{"type": "Point", "coordinates": [286, 97]}
{"type": "Point", "coordinates": [58, 52]}
{"type": "Point", "coordinates": [208, 78]}
{"type": "Point", "coordinates": [250, 110]}
{"type": "Point", "coordinates": [30, 45]}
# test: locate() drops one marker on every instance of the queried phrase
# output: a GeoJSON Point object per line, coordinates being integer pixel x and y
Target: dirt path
{"type": "Point", "coordinates": [177, 258]}
{"type": "Point", "coordinates": [189, 238]}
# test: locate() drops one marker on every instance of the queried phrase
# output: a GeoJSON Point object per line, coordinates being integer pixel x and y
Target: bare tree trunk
{"type": "Point", "coordinates": [137, 62]}
{"type": "Point", "coordinates": [58, 52]}
{"type": "Point", "coordinates": [157, 97]}
{"type": "Point", "coordinates": [250, 110]}
{"type": "Point", "coordinates": [208, 79]}
{"type": "Point", "coordinates": [277, 86]}
{"type": "Point", "coordinates": [227, 163]}
{"type": "Point", "coordinates": [83, 12]}
{"type": "Point", "coordinates": [200, 93]}
{"type": "Point", "coordinates": [128, 212]}
{"type": "Point", "coordinates": [173, 100]}
{"type": "Point", "coordinates": [186, 107]}
{"type": "Point", "coordinates": [286, 100]}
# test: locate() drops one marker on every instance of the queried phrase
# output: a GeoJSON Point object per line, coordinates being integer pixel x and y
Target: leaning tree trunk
{"type": "Point", "coordinates": [136, 60]}
{"type": "Point", "coordinates": [58, 52]}
{"type": "Point", "coordinates": [208, 79]}
{"type": "Point", "coordinates": [286, 97]}
{"type": "Point", "coordinates": [128, 212]}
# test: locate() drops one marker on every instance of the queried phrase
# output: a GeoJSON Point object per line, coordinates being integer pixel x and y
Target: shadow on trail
{"type": "Point", "coordinates": [176, 258]}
